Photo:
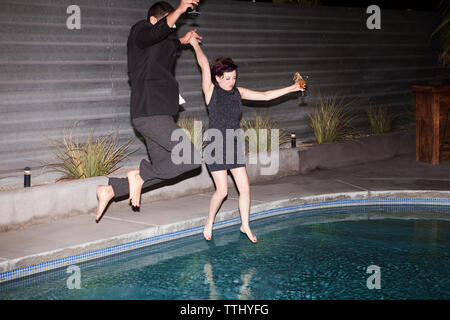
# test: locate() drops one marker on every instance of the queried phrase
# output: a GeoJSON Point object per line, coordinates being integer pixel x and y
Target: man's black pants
{"type": "Point", "coordinates": [157, 131]}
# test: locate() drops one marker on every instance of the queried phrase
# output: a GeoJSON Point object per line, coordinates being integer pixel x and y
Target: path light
{"type": "Point", "coordinates": [27, 177]}
{"type": "Point", "coordinates": [293, 140]}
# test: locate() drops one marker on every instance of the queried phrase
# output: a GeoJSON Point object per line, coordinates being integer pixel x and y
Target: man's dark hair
{"type": "Point", "coordinates": [159, 9]}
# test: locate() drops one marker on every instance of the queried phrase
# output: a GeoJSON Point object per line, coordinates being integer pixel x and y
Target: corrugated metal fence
{"type": "Point", "coordinates": [53, 78]}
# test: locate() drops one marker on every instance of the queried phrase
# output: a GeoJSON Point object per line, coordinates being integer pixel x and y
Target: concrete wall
{"type": "Point", "coordinates": [53, 78]}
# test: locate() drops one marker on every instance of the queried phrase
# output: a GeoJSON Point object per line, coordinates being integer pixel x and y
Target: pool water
{"type": "Point", "coordinates": [321, 255]}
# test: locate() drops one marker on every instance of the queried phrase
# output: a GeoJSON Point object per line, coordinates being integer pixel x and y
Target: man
{"type": "Point", "coordinates": [154, 101]}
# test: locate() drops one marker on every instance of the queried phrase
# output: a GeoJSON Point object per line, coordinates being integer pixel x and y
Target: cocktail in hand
{"type": "Point", "coordinates": [301, 81]}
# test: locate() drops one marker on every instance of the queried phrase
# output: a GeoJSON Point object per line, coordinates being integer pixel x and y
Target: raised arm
{"type": "Point", "coordinates": [160, 30]}
{"type": "Point", "coordinates": [182, 7]}
{"type": "Point", "coordinates": [202, 60]}
{"type": "Point", "coordinates": [248, 94]}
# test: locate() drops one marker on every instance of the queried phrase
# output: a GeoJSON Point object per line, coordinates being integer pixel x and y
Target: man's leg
{"type": "Point", "coordinates": [156, 131]}
{"type": "Point", "coordinates": [156, 153]}
{"type": "Point", "coordinates": [158, 156]}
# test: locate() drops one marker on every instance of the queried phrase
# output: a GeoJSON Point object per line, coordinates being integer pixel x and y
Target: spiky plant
{"type": "Point", "coordinates": [380, 119]}
{"type": "Point", "coordinates": [96, 156]}
{"type": "Point", "coordinates": [443, 30]}
{"type": "Point", "coordinates": [196, 135]}
{"type": "Point", "coordinates": [258, 143]}
{"type": "Point", "coordinates": [330, 120]}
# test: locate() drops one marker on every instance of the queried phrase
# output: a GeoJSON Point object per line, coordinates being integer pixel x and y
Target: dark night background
{"type": "Point", "coordinates": [428, 5]}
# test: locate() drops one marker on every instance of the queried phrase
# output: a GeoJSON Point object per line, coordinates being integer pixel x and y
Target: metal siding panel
{"type": "Point", "coordinates": [52, 78]}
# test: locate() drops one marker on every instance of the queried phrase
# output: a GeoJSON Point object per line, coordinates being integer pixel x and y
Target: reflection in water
{"type": "Point", "coordinates": [427, 233]}
{"type": "Point", "coordinates": [213, 295]}
{"type": "Point", "coordinates": [245, 292]}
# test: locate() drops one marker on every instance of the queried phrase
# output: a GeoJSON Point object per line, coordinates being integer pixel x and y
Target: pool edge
{"type": "Point", "coordinates": [41, 262]}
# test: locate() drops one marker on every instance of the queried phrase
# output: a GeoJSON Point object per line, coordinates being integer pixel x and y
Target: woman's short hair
{"type": "Point", "coordinates": [220, 66]}
{"type": "Point", "coordinates": [159, 9]}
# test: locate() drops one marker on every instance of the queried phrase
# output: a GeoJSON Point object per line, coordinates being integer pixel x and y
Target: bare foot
{"type": "Point", "coordinates": [207, 231]}
{"type": "Point", "coordinates": [104, 196]}
{"type": "Point", "coordinates": [249, 234]}
{"type": "Point", "coordinates": [135, 181]}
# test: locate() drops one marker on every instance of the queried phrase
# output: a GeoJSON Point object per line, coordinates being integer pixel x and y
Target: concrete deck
{"type": "Point", "coordinates": [65, 237]}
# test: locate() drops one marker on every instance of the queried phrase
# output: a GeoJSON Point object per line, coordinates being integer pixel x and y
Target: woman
{"type": "Point", "coordinates": [223, 100]}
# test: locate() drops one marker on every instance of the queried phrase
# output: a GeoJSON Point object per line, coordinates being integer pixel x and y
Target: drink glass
{"type": "Point", "coordinates": [194, 12]}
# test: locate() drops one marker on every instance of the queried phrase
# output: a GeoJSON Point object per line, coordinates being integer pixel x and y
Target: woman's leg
{"type": "Point", "coordinates": [221, 181]}
{"type": "Point", "coordinates": [241, 178]}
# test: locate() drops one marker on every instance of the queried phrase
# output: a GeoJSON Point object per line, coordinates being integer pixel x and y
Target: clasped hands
{"type": "Point", "coordinates": [191, 37]}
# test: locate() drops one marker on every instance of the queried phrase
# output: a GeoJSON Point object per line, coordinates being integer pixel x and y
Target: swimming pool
{"type": "Point", "coordinates": [375, 251]}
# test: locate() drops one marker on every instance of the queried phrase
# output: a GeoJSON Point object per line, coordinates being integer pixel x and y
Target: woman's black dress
{"type": "Point", "coordinates": [225, 109]}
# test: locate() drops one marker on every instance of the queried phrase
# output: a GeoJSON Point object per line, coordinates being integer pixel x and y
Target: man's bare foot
{"type": "Point", "coordinates": [135, 181]}
{"type": "Point", "coordinates": [249, 234]}
{"type": "Point", "coordinates": [104, 196]}
{"type": "Point", "coordinates": [207, 231]}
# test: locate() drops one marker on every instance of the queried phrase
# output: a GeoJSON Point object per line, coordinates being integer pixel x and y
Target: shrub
{"type": "Point", "coordinates": [444, 34]}
{"type": "Point", "coordinates": [187, 124]}
{"type": "Point", "coordinates": [94, 157]}
{"type": "Point", "coordinates": [380, 119]}
{"type": "Point", "coordinates": [264, 122]}
{"type": "Point", "coordinates": [330, 120]}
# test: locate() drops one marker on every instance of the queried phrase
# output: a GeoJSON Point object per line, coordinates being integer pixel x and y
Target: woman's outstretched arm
{"type": "Point", "coordinates": [202, 60]}
{"type": "Point", "coordinates": [248, 94]}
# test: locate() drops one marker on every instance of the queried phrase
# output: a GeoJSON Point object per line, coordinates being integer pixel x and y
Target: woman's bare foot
{"type": "Point", "coordinates": [207, 231]}
{"type": "Point", "coordinates": [249, 234]}
{"type": "Point", "coordinates": [135, 181]}
{"type": "Point", "coordinates": [104, 196]}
